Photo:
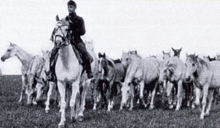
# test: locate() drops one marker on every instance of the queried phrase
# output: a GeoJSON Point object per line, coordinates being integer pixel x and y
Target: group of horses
{"type": "Point", "coordinates": [131, 76]}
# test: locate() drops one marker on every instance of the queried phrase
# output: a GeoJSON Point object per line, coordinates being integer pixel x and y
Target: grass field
{"type": "Point", "coordinates": [16, 115]}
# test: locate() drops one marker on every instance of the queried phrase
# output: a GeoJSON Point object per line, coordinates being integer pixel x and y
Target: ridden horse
{"type": "Point", "coordinates": [32, 68]}
{"type": "Point", "coordinates": [172, 71]}
{"type": "Point", "coordinates": [205, 76]}
{"type": "Point", "coordinates": [144, 72]}
{"type": "Point", "coordinates": [176, 52]}
{"type": "Point", "coordinates": [69, 72]}
{"type": "Point", "coordinates": [111, 74]}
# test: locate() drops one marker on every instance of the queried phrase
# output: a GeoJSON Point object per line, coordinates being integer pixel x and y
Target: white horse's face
{"type": "Point", "coordinates": [125, 59]}
{"type": "Point", "coordinates": [191, 67]}
{"type": "Point", "coordinates": [11, 51]}
{"type": "Point", "coordinates": [125, 92]}
{"type": "Point", "coordinates": [59, 34]}
{"type": "Point", "coordinates": [46, 56]}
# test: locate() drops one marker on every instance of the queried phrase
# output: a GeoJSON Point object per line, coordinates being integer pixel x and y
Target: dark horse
{"type": "Point", "coordinates": [111, 74]}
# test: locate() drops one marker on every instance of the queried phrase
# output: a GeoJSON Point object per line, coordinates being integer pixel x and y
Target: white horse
{"type": "Point", "coordinates": [69, 72]}
{"type": "Point", "coordinates": [32, 68]}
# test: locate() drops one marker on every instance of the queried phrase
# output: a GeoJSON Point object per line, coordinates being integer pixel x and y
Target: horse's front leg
{"type": "Point", "coordinates": [110, 95]}
{"type": "Point", "coordinates": [179, 95]}
{"type": "Point", "coordinates": [210, 99]}
{"type": "Point", "coordinates": [132, 97]}
{"type": "Point", "coordinates": [153, 96]}
{"type": "Point", "coordinates": [23, 78]}
{"type": "Point", "coordinates": [142, 93]}
{"type": "Point", "coordinates": [204, 98]}
{"type": "Point", "coordinates": [83, 99]}
{"type": "Point", "coordinates": [62, 91]}
{"type": "Point", "coordinates": [47, 103]}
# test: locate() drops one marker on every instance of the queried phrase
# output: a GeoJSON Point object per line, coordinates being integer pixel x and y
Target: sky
{"type": "Point", "coordinates": [114, 26]}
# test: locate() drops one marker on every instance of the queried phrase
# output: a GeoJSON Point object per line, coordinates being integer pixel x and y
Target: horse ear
{"type": "Point", "coordinates": [181, 49]}
{"type": "Point", "coordinates": [99, 54]}
{"type": "Point", "coordinates": [172, 48]}
{"type": "Point", "coordinates": [104, 55]}
{"type": "Point", "coordinates": [135, 51]}
{"type": "Point", "coordinates": [163, 52]}
{"type": "Point", "coordinates": [57, 18]}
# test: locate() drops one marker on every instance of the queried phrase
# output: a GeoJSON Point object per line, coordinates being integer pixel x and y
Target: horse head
{"type": "Point", "coordinates": [166, 55]}
{"type": "Point", "coordinates": [60, 32]}
{"type": "Point", "coordinates": [191, 66]}
{"type": "Point", "coordinates": [11, 51]}
{"type": "Point", "coordinates": [177, 52]}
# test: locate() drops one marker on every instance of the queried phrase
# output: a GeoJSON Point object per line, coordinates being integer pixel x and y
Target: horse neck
{"type": "Point", "coordinates": [202, 66]}
{"type": "Point", "coordinates": [67, 55]}
{"type": "Point", "coordinates": [23, 56]}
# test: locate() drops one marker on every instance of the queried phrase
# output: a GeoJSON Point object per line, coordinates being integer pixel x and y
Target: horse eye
{"type": "Point", "coordinates": [126, 59]}
{"type": "Point", "coordinates": [8, 50]}
{"type": "Point", "coordinates": [193, 64]}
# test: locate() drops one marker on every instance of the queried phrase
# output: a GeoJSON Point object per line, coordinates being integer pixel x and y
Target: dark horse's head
{"type": "Point", "coordinates": [176, 52]}
{"type": "Point", "coordinates": [104, 63]}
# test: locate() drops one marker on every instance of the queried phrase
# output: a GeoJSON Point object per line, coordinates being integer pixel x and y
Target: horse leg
{"type": "Point", "coordinates": [110, 95]}
{"type": "Point", "coordinates": [132, 97]}
{"type": "Point", "coordinates": [179, 95]}
{"type": "Point", "coordinates": [142, 93]}
{"type": "Point", "coordinates": [22, 88]}
{"type": "Point", "coordinates": [73, 105]}
{"type": "Point", "coordinates": [47, 103]}
{"type": "Point", "coordinates": [62, 91]}
{"type": "Point", "coordinates": [204, 98]}
{"type": "Point", "coordinates": [210, 97]}
{"type": "Point", "coordinates": [83, 98]}
{"type": "Point", "coordinates": [153, 93]}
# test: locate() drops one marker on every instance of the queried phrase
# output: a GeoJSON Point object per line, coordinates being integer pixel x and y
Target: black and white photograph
{"type": "Point", "coordinates": [110, 64]}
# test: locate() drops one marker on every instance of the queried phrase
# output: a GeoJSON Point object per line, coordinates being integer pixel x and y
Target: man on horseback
{"type": "Point", "coordinates": [75, 30]}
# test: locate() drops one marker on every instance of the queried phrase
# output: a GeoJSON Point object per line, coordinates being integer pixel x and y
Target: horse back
{"type": "Point", "coordinates": [119, 72]}
{"type": "Point", "coordinates": [176, 69]}
{"type": "Point", "coordinates": [215, 66]}
{"type": "Point", "coordinates": [150, 68]}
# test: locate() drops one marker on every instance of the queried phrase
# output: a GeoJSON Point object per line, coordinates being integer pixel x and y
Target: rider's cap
{"type": "Point", "coordinates": [71, 2]}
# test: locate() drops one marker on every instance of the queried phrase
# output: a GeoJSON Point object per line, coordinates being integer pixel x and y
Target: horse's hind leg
{"type": "Point", "coordinates": [210, 98]}
{"type": "Point", "coordinates": [62, 91]}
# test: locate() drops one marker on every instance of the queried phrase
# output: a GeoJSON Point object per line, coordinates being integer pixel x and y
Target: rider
{"type": "Point", "coordinates": [76, 29]}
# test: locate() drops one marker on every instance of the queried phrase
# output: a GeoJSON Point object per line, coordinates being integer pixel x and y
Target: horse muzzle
{"type": "Point", "coordinates": [3, 59]}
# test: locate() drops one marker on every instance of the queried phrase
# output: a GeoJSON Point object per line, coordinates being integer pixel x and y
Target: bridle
{"type": "Point", "coordinates": [62, 36]}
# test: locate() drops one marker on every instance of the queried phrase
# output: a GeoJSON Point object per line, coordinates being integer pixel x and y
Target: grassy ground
{"type": "Point", "coordinates": [16, 115]}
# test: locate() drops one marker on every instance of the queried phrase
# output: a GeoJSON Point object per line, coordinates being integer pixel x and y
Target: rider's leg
{"type": "Point", "coordinates": [51, 73]}
{"type": "Point", "coordinates": [80, 46]}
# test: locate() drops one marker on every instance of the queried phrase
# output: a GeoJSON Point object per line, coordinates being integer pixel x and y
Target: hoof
{"type": "Point", "coordinates": [47, 111]}
{"type": "Point", "coordinates": [73, 119]}
{"type": "Point", "coordinates": [151, 107]}
{"type": "Point", "coordinates": [61, 125]}
{"type": "Point", "coordinates": [80, 118]}
{"type": "Point", "coordinates": [206, 114]}
{"type": "Point", "coordinates": [171, 107]}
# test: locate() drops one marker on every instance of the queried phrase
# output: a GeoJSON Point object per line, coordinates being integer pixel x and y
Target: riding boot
{"type": "Point", "coordinates": [51, 74]}
{"type": "Point", "coordinates": [80, 46]}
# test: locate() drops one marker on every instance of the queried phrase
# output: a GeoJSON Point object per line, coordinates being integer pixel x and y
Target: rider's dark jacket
{"type": "Point", "coordinates": [76, 26]}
